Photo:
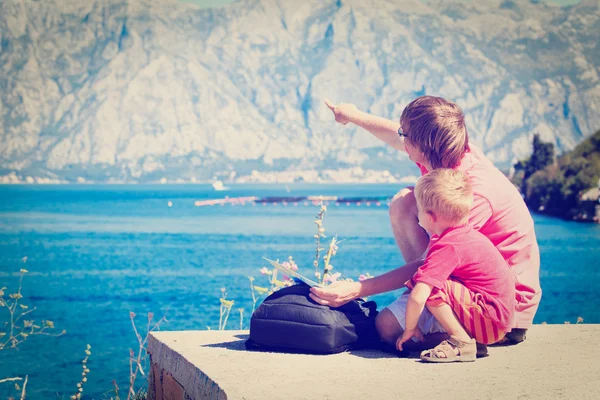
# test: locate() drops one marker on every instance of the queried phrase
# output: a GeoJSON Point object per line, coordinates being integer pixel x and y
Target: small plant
{"type": "Point", "coordinates": [225, 309]}
{"type": "Point", "coordinates": [138, 362]}
{"type": "Point", "coordinates": [84, 373]}
{"type": "Point", "coordinates": [241, 310]}
{"type": "Point", "coordinates": [17, 329]}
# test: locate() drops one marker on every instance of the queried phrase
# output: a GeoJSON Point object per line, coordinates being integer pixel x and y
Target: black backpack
{"type": "Point", "coordinates": [290, 321]}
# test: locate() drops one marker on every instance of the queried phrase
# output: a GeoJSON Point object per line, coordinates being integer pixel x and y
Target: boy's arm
{"type": "Point", "coordinates": [414, 309]}
{"type": "Point", "coordinates": [382, 128]}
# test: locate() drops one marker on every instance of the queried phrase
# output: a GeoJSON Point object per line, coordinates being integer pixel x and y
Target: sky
{"type": "Point", "coordinates": [217, 3]}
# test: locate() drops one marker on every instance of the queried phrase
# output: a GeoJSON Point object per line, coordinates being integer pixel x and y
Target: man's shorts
{"type": "Point", "coordinates": [427, 322]}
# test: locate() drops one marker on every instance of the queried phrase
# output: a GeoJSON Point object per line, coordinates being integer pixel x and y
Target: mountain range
{"type": "Point", "coordinates": [142, 91]}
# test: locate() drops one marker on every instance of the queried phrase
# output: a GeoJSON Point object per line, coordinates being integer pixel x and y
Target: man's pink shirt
{"type": "Point", "coordinates": [500, 213]}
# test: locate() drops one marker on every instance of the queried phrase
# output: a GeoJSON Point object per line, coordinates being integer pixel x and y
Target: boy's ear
{"type": "Point", "coordinates": [431, 216]}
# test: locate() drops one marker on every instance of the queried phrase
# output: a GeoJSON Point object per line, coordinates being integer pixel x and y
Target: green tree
{"type": "Point", "coordinates": [541, 157]}
{"type": "Point", "coordinates": [556, 188]}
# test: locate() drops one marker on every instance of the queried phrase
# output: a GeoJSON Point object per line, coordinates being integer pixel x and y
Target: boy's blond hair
{"type": "Point", "coordinates": [447, 193]}
{"type": "Point", "coordinates": [437, 128]}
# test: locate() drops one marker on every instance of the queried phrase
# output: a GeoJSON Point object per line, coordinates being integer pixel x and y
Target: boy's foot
{"type": "Point", "coordinates": [451, 350]}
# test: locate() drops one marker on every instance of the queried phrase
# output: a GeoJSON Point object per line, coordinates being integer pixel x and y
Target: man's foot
{"type": "Point", "coordinates": [482, 350]}
{"type": "Point", "coordinates": [513, 337]}
{"type": "Point", "coordinates": [517, 335]}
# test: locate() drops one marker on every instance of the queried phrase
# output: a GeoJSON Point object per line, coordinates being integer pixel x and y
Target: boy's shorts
{"type": "Point", "coordinates": [469, 308]}
{"type": "Point", "coordinates": [427, 322]}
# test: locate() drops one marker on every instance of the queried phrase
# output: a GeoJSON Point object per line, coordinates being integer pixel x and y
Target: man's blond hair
{"type": "Point", "coordinates": [447, 193]}
{"type": "Point", "coordinates": [436, 127]}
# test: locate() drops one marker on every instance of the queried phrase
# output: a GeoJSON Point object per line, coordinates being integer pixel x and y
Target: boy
{"type": "Point", "coordinates": [464, 281]}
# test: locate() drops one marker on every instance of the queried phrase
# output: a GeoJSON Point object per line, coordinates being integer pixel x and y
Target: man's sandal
{"type": "Point", "coordinates": [445, 352]}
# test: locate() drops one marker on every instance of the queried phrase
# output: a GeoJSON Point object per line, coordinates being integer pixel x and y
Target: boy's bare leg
{"type": "Point", "coordinates": [390, 330]}
{"type": "Point", "coordinates": [410, 237]}
{"type": "Point", "coordinates": [446, 317]}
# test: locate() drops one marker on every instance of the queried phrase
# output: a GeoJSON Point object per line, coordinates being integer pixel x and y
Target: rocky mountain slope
{"type": "Point", "coordinates": [142, 90]}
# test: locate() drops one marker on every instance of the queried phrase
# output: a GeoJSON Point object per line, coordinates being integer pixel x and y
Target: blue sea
{"type": "Point", "coordinates": [96, 252]}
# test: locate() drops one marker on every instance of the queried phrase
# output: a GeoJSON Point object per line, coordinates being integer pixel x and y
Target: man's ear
{"type": "Point", "coordinates": [431, 216]}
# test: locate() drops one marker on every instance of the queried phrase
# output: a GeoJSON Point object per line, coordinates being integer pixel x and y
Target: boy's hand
{"type": "Point", "coordinates": [342, 112]}
{"type": "Point", "coordinates": [407, 335]}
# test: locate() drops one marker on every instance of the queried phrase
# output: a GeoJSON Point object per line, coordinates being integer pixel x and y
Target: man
{"type": "Point", "coordinates": [433, 133]}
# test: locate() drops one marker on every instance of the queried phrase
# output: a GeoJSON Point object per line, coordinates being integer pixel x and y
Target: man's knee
{"type": "Point", "coordinates": [387, 326]}
{"type": "Point", "coordinates": [403, 204]}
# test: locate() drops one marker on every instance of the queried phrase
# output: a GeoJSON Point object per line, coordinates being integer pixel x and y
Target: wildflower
{"type": "Point", "coordinates": [579, 320]}
{"type": "Point", "coordinates": [50, 324]}
{"type": "Point", "coordinates": [24, 271]}
{"type": "Point", "coordinates": [293, 265]}
{"type": "Point", "coordinates": [265, 271]}
{"type": "Point", "coordinates": [290, 265]}
{"type": "Point", "coordinates": [286, 278]}
{"type": "Point", "coordinates": [260, 290]}
{"type": "Point", "coordinates": [131, 314]}
{"type": "Point", "coordinates": [315, 263]}
{"type": "Point", "coordinates": [321, 230]}
{"type": "Point", "coordinates": [318, 275]}
{"type": "Point", "coordinates": [227, 303]}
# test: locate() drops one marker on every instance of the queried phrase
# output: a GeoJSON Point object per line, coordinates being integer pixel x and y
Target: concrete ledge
{"type": "Point", "coordinates": [556, 361]}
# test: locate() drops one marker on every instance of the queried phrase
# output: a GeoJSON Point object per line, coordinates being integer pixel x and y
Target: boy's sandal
{"type": "Point", "coordinates": [445, 351]}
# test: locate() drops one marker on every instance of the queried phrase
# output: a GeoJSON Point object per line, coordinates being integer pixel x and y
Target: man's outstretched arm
{"type": "Point", "coordinates": [382, 128]}
{"type": "Point", "coordinates": [342, 292]}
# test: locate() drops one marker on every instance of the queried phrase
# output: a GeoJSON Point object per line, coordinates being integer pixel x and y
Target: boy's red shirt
{"type": "Point", "coordinates": [467, 256]}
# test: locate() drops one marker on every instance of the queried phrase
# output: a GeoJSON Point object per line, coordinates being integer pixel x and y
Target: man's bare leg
{"type": "Point", "coordinates": [410, 237]}
{"type": "Point", "coordinates": [388, 327]}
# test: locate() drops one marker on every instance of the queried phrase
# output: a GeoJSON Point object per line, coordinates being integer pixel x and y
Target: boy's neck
{"type": "Point", "coordinates": [441, 227]}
